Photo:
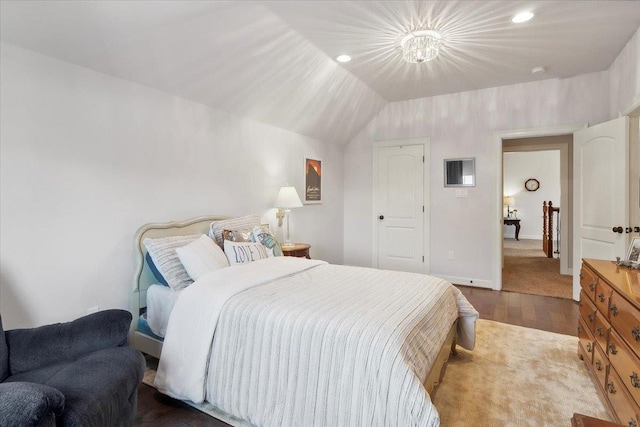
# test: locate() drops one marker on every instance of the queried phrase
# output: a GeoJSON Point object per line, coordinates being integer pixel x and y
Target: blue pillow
{"type": "Point", "coordinates": [155, 271]}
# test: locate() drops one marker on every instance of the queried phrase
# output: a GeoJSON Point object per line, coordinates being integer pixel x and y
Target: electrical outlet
{"type": "Point", "coordinates": [92, 310]}
{"type": "Point", "coordinates": [452, 255]}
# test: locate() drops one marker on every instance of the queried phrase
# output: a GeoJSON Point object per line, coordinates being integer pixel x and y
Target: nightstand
{"type": "Point", "coordinates": [300, 250]}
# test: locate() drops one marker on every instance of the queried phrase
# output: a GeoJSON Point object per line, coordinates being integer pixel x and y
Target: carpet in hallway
{"type": "Point", "coordinates": [527, 270]}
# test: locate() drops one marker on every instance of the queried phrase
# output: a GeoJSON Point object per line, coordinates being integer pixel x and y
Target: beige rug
{"type": "Point", "coordinates": [517, 377]}
{"type": "Point", "coordinates": [514, 377]}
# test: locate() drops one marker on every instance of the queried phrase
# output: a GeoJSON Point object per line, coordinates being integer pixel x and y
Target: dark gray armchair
{"type": "Point", "coordinates": [80, 373]}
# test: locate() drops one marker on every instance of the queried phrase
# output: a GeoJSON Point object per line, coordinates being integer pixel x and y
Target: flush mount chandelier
{"type": "Point", "coordinates": [420, 46]}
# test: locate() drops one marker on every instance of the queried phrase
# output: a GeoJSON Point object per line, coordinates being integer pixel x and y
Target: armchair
{"type": "Point", "coordinates": [79, 373]}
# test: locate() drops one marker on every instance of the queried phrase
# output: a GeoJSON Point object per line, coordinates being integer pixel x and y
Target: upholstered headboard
{"type": "Point", "coordinates": [143, 277]}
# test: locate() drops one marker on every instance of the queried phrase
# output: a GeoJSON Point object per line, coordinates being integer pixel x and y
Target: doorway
{"type": "Point", "coordinates": [566, 236]}
{"type": "Point", "coordinates": [533, 172]}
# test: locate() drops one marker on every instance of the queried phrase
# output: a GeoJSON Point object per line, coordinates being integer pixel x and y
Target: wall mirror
{"type": "Point", "coordinates": [460, 172]}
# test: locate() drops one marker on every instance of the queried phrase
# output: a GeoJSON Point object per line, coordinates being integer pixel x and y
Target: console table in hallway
{"type": "Point", "coordinates": [515, 222]}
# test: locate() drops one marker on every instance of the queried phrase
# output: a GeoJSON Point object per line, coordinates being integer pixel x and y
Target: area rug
{"type": "Point", "coordinates": [514, 377]}
{"type": "Point", "coordinates": [527, 270]}
{"type": "Point", "coordinates": [517, 377]}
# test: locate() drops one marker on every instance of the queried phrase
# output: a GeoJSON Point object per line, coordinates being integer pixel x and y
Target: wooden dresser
{"type": "Point", "coordinates": [609, 335]}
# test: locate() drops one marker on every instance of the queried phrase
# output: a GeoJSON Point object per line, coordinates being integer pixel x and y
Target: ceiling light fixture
{"type": "Point", "coordinates": [522, 17]}
{"type": "Point", "coordinates": [420, 46]}
{"type": "Point", "coordinates": [343, 58]}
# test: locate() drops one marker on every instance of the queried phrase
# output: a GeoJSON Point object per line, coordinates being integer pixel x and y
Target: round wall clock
{"type": "Point", "coordinates": [532, 184]}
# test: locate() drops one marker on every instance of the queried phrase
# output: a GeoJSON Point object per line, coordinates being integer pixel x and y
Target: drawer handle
{"type": "Point", "coordinates": [592, 286]}
{"type": "Point", "coordinates": [612, 349]}
{"type": "Point", "coordinates": [614, 310]}
{"type": "Point", "coordinates": [636, 333]}
{"type": "Point", "coordinates": [610, 388]}
{"type": "Point", "coordinates": [592, 316]}
{"type": "Point", "coordinates": [635, 381]}
{"type": "Point", "coordinates": [589, 347]}
{"type": "Point", "coordinates": [632, 423]}
{"type": "Point", "coordinates": [599, 365]}
{"type": "Point", "coordinates": [581, 274]}
{"type": "Point", "coordinates": [600, 331]}
{"type": "Point", "coordinates": [601, 297]}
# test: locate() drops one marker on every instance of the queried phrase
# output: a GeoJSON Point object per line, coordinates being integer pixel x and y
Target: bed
{"type": "Point", "coordinates": [291, 341]}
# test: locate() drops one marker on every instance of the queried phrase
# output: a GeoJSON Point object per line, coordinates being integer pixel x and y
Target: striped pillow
{"type": "Point", "coordinates": [164, 256]}
{"type": "Point", "coordinates": [217, 227]}
{"type": "Point", "coordinates": [202, 256]}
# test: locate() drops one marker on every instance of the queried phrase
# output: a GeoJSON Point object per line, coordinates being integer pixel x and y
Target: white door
{"type": "Point", "coordinates": [399, 208]}
{"type": "Point", "coordinates": [601, 182]}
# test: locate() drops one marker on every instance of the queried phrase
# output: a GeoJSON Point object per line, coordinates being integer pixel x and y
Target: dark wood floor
{"type": "Point", "coordinates": [532, 311]}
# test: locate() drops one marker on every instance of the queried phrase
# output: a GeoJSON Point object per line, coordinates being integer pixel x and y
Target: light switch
{"type": "Point", "coordinates": [462, 192]}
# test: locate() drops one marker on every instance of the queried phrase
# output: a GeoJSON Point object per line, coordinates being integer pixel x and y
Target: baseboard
{"type": "Point", "coordinates": [466, 281]}
{"type": "Point", "coordinates": [524, 236]}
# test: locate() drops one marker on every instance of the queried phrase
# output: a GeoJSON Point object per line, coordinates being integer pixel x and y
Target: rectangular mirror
{"type": "Point", "coordinates": [460, 172]}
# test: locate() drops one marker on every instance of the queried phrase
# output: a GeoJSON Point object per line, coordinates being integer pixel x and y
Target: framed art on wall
{"type": "Point", "coordinates": [312, 181]}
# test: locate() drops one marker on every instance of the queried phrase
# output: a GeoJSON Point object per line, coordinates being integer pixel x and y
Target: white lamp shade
{"type": "Point", "coordinates": [288, 198]}
{"type": "Point", "coordinates": [507, 200]}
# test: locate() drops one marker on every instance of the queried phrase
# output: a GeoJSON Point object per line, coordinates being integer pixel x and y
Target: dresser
{"type": "Point", "coordinates": [609, 335]}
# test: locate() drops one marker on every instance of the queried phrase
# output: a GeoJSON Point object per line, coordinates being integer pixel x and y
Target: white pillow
{"type": "Point", "coordinates": [163, 253]}
{"type": "Point", "coordinates": [202, 256]}
{"type": "Point", "coordinates": [217, 227]}
{"type": "Point", "coordinates": [244, 252]}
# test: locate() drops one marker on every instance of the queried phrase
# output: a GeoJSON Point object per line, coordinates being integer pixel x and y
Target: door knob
{"type": "Point", "coordinates": [628, 230]}
{"type": "Point", "coordinates": [636, 229]}
{"type": "Point", "coordinates": [617, 229]}
{"type": "Point", "coordinates": [381, 217]}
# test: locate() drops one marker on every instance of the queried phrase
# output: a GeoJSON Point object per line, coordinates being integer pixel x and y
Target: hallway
{"type": "Point", "coordinates": [527, 270]}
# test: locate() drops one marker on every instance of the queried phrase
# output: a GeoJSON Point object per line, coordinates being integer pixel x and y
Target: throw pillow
{"type": "Point", "coordinates": [202, 256]}
{"type": "Point", "coordinates": [164, 256]}
{"type": "Point", "coordinates": [244, 252]}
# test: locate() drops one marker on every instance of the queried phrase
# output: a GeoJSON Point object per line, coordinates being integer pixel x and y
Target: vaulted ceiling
{"type": "Point", "coordinates": [274, 61]}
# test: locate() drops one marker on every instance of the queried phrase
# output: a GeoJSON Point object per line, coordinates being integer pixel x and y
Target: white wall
{"type": "Point", "coordinates": [462, 125]}
{"type": "Point", "coordinates": [85, 159]}
{"type": "Point", "coordinates": [624, 78]}
{"type": "Point", "coordinates": [520, 166]}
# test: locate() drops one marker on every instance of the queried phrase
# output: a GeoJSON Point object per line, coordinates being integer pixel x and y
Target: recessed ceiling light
{"type": "Point", "coordinates": [343, 58]}
{"type": "Point", "coordinates": [522, 17]}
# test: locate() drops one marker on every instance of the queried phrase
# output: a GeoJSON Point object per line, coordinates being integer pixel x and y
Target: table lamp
{"type": "Point", "coordinates": [507, 201]}
{"type": "Point", "coordinates": [286, 200]}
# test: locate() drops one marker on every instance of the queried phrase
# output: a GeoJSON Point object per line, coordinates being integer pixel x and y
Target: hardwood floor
{"type": "Point", "coordinates": [532, 311]}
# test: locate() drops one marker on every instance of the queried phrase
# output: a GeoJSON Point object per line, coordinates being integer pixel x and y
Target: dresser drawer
{"type": "Point", "coordinates": [603, 296]}
{"type": "Point", "coordinates": [588, 281]}
{"type": "Point", "coordinates": [626, 320]}
{"type": "Point", "coordinates": [585, 342]}
{"type": "Point", "coordinates": [587, 311]}
{"type": "Point", "coordinates": [600, 365]}
{"type": "Point", "coordinates": [601, 330]}
{"type": "Point", "coordinates": [626, 365]}
{"type": "Point", "coordinates": [626, 409]}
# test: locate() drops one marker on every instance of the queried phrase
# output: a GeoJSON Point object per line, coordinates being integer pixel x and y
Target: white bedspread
{"type": "Point", "coordinates": [314, 345]}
